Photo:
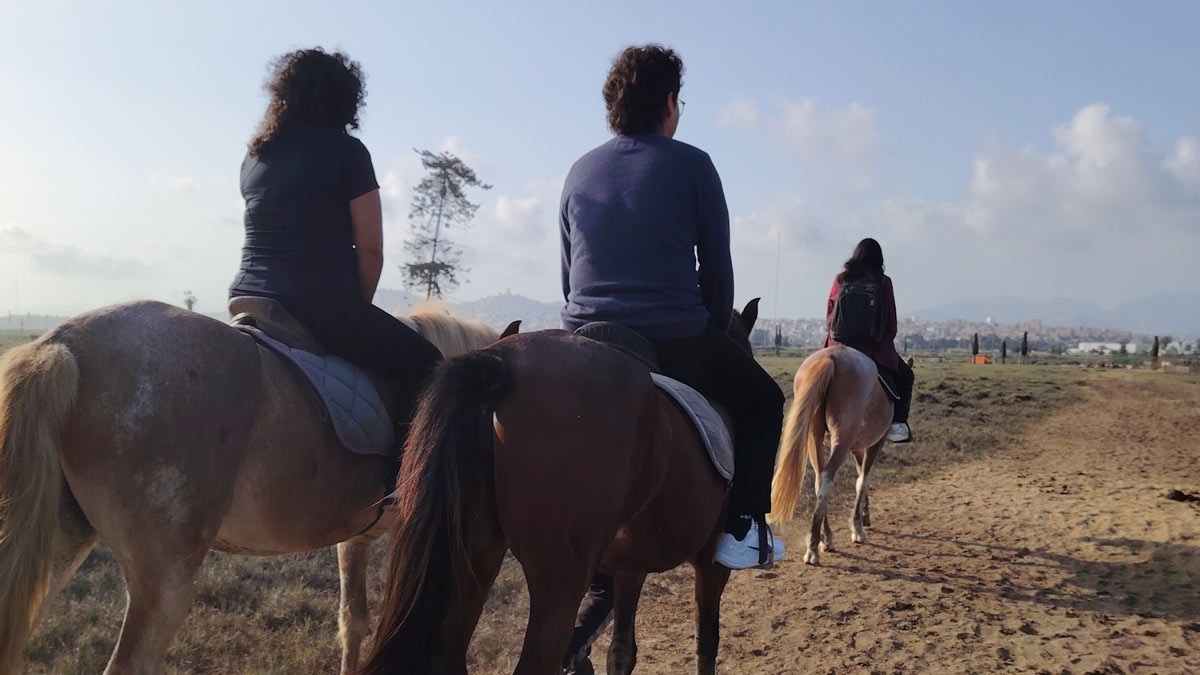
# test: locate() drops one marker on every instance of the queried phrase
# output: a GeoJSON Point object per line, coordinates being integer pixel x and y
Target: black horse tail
{"type": "Point", "coordinates": [447, 463]}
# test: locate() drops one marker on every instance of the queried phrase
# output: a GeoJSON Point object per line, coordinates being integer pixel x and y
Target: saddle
{"type": "Point", "coordinates": [711, 422]}
{"type": "Point", "coordinates": [349, 394]}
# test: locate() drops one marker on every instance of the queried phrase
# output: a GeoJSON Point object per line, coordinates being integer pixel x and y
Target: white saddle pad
{"type": "Point", "coordinates": [356, 410]}
{"type": "Point", "coordinates": [710, 421]}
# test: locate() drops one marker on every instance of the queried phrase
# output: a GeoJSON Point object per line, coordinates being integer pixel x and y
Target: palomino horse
{"type": "Point", "coordinates": [165, 433]}
{"type": "Point", "coordinates": [837, 391]}
{"type": "Point", "coordinates": [564, 451]}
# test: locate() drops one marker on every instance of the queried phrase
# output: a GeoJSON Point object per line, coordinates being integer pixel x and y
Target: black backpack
{"type": "Point", "coordinates": [858, 311]}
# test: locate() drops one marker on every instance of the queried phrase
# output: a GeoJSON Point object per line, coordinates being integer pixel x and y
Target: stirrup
{"type": "Point", "coordinates": [766, 541]}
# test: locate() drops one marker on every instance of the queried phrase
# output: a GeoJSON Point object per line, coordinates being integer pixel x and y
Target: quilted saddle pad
{"type": "Point", "coordinates": [710, 421]}
{"type": "Point", "coordinates": [359, 417]}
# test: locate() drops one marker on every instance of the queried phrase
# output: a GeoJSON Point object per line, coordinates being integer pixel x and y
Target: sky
{"type": "Point", "coordinates": [1021, 148]}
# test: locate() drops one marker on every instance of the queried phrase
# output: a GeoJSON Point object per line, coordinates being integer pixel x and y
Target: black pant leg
{"type": "Point", "coordinates": [594, 615]}
{"type": "Point", "coordinates": [904, 382]}
{"type": "Point", "coordinates": [719, 368]}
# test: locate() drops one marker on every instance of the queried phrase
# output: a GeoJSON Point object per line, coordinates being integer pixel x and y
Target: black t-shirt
{"type": "Point", "coordinates": [299, 237]}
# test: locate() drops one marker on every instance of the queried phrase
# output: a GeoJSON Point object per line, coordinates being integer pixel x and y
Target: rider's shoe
{"type": "Point", "coordinates": [899, 433]}
{"type": "Point", "coordinates": [745, 552]}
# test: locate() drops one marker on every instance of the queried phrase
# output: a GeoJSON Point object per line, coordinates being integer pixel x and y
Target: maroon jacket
{"type": "Point", "coordinates": [883, 353]}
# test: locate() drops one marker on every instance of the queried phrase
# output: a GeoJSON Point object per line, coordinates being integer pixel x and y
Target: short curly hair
{"type": "Point", "coordinates": [311, 85]}
{"type": "Point", "coordinates": [638, 84]}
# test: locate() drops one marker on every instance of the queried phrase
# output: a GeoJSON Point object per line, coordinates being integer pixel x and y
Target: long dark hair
{"type": "Point", "coordinates": [867, 258]}
{"type": "Point", "coordinates": [637, 87]}
{"type": "Point", "coordinates": [311, 85]}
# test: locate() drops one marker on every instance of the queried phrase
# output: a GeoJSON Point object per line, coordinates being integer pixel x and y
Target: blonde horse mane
{"type": "Point", "coordinates": [450, 334]}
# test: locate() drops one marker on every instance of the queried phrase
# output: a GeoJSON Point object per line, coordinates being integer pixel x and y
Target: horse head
{"type": "Point", "coordinates": [743, 324]}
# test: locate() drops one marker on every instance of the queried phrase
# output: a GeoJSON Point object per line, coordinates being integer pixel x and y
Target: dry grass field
{"type": "Point", "coordinates": [277, 615]}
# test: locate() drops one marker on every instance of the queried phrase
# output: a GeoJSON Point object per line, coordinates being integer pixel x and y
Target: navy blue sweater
{"type": "Point", "coordinates": [645, 239]}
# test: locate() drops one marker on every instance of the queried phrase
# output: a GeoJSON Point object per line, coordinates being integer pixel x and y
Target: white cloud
{"type": "Point", "coordinates": [740, 113]}
{"type": "Point", "coordinates": [453, 145]}
{"type": "Point", "coordinates": [839, 144]}
{"type": "Point", "coordinates": [1102, 216]}
{"type": "Point", "coordinates": [66, 259]}
{"type": "Point", "coordinates": [521, 217]}
{"type": "Point", "coordinates": [814, 131]}
{"type": "Point", "coordinates": [1185, 163]}
{"type": "Point", "coordinates": [513, 242]}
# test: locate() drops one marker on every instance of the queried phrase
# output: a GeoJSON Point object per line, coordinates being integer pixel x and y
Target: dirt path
{"type": "Point", "coordinates": [1061, 555]}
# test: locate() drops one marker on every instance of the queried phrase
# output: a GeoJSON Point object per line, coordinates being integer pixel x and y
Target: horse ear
{"type": "Point", "coordinates": [750, 314]}
{"type": "Point", "coordinates": [512, 329]}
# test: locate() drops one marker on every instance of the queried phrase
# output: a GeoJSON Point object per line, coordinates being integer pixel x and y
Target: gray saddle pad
{"type": "Point", "coordinates": [711, 423]}
{"type": "Point", "coordinates": [356, 410]}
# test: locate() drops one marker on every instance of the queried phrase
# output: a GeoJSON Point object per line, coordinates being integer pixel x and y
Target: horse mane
{"type": "Point", "coordinates": [450, 334]}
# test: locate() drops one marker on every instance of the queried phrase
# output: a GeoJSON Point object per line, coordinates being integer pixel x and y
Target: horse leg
{"type": "Point", "coordinates": [463, 615]}
{"type": "Point", "coordinates": [824, 488]}
{"type": "Point", "coordinates": [72, 544]}
{"type": "Point", "coordinates": [866, 510]}
{"type": "Point", "coordinates": [862, 509]}
{"type": "Point", "coordinates": [826, 535]}
{"type": "Point", "coordinates": [710, 585]}
{"type": "Point", "coordinates": [353, 619]}
{"type": "Point", "coordinates": [622, 652]}
{"type": "Point", "coordinates": [553, 601]}
{"type": "Point", "coordinates": [857, 535]}
{"type": "Point", "coordinates": [160, 591]}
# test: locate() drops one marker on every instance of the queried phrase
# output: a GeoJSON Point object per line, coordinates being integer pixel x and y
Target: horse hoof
{"type": "Point", "coordinates": [810, 558]}
{"type": "Point", "coordinates": [858, 537]}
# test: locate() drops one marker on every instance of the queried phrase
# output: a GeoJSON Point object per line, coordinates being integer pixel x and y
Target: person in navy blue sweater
{"type": "Point", "coordinates": [645, 244]}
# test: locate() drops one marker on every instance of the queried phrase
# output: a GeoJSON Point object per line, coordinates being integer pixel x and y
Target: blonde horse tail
{"type": "Point", "coordinates": [38, 383]}
{"type": "Point", "coordinates": [791, 468]}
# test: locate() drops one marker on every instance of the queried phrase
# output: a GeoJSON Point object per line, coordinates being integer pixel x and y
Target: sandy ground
{"type": "Point", "coordinates": [1060, 555]}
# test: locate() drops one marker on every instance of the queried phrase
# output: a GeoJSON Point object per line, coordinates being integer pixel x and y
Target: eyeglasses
{"type": "Point", "coordinates": [681, 104]}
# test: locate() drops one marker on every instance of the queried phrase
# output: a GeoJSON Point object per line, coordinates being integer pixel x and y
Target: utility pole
{"type": "Point", "coordinates": [778, 255]}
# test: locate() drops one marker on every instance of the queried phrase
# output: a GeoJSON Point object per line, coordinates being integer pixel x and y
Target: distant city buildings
{"type": "Point", "coordinates": [918, 335]}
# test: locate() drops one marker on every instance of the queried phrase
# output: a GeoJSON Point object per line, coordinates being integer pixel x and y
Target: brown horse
{"type": "Point", "coordinates": [562, 450]}
{"type": "Point", "coordinates": [165, 433]}
{"type": "Point", "coordinates": [837, 391]}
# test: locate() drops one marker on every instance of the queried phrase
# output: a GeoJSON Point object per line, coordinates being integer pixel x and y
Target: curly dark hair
{"type": "Point", "coordinates": [311, 85]}
{"type": "Point", "coordinates": [867, 258]}
{"type": "Point", "coordinates": [638, 84]}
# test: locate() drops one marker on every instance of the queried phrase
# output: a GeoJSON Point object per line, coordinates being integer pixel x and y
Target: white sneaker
{"type": "Point", "coordinates": [742, 554]}
{"type": "Point", "coordinates": [898, 433]}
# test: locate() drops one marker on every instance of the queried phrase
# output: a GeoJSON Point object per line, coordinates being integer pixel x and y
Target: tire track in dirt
{"type": "Point", "coordinates": [1059, 555]}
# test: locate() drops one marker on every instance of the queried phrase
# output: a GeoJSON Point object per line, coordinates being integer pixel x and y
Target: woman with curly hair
{"type": "Point", "coordinates": [314, 226]}
{"type": "Point", "coordinates": [645, 244]}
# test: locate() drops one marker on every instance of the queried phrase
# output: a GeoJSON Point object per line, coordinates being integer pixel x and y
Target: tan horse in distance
{"type": "Point", "coordinates": [165, 434]}
{"type": "Point", "coordinates": [837, 391]}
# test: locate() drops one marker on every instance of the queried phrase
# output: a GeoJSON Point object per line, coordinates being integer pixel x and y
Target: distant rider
{"type": "Point", "coordinates": [864, 270]}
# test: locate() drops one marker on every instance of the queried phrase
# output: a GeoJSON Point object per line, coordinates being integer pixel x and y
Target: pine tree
{"type": "Point", "coordinates": [439, 204]}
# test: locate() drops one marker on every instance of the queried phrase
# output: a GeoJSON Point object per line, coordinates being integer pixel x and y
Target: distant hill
{"type": "Point", "coordinates": [1163, 314]}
